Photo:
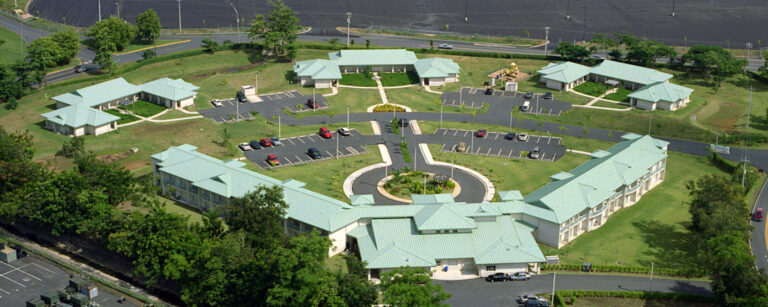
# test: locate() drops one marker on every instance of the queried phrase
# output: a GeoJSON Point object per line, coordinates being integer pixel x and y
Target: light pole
{"type": "Point", "coordinates": [278, 126]}
{"type": "Point", "coordinates": [348, 116]}
{"type": "Point", "coordinates": [238, 21]}
{"type": "Point", "coordinates": [651, 279]}
{"type": "Point", "coordinates": [314, 102]}
{"type": "Point", "coordinates": [510, 120]}
{"type": "Point", "coordinates": [554, 278]}
{"type": "Point", "coordinates": [349, 20]}
{"type": "Point", "coordinates": [584, 30]}
{"type": "Point", "coordinates": [466, 18]}
{"type": "Point", "coordinates": [441, 115]}
{"type": "Point", "coordinates": [546, 39]}
{"type": "Point", "coordinates": [674, 8]}
{"type": "Point", "coordinates": [337, 145]}
{"type": "Point", "coordinates": [21, 38]}
{"type": "Point", "coordinates": [117, 6]}
{"type": "Point", "coordinates": [749, 48]}
{"type": "Point", "coordinates": [257, 82]}
{"type": "Point", "coordinates": [568, 10]}
{"type": "Point", "coordinates": [749, 110]}
{"type": "Point", "coordinates": [99, 9]}
{"type": "Point", "coordinates": [179, 1]}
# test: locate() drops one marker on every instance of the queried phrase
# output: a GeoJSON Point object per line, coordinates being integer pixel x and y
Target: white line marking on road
{"type": "Point", "coordinates": [20, 270]}
{"type": "Point", "coordinates": [510, 153]}
{"type": "Point", "coordinates": [6, 292]}
{"type": "Point", "coordinates": [499, 154]}
{"type": "Point", "coordinates": [300, 160]}
{"type": "Point", "coordinates": [456, 131]}
{"type": "Point", "coordinates": [489, 151]}
{"type": "Point", "coordinates": [465, 133]}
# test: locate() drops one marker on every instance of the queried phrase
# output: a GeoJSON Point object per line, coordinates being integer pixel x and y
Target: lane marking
{"type": "Point", "coordinates": [163, 45]}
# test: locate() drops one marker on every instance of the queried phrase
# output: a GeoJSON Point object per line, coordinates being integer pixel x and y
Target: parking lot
{"type": "Point", "coordinates": [475, 98]}
{"type": "Point", "coordinates": [270, 104]}
{"type": "Point", "coordinates": [293, 150]}
{"type": "Point", "coordinates": [29, 277]}
{"type": "Point", "coordinates": [494, 144]}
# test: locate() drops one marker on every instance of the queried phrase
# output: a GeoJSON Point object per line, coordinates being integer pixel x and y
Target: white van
{"type": "Point", "coordinates": [526, 106]}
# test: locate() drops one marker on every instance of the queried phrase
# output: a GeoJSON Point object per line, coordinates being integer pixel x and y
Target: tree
{"type": "Point", "coordinates": [640, 54]}
{"type": "Point", "coordinates": [354, 287]}
{"type": "Point", "coordinates": [713, 61]}
{"type": "Point", "coordinates": [367, 44]}
{"type": "Point", "coordinates": [411, 287]}
{"type": "Point", "coordinates": [148, 26]}
{"type": "Point", "coordinates": [292, 52]}
{"type": "Point", "coordinates": [603, 42]}
{"type": "Point", "coordinates": [260, 214]}
{"type": "Point", "coordinates": [72, 149]}
{"type": "Point", "coordinates": [104, 59]}
{"type": "Point", "coordinates": [113, 33]}
{"type": "Point", "coordinates": [113, 180]}
{"type": "Point", "coordinates": [628, 40]}
{"type": "Point", "coordinates": [277, 29]}
{"type": "Point", "coordinates": [333, 42]}
{"type": "Point", "coordinates": [69, 45]}
{"type": "Point", "coordinates": [712, 195]}
{"type": "Point", "coordinates": [431, 44]}
{"type": "Point", "coordinates": [571, 52]}
{"type": "Point", "coordinates": [615, 54]}
{"type": "Point", "coordinates": [148, 54]}
{"type": "Point", "coordinates": [209, 45]}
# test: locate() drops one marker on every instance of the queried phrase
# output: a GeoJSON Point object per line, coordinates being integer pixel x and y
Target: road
{"type": "Point", "coordinates": [758, 236]}
{"type": "Point", "coordinates": [471, 292]}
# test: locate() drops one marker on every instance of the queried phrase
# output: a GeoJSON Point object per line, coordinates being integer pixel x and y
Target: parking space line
{"type": "Point", "coordinates": [465, 133]}
{"type": "Point", "coordinates": [456, 131]}
{"type": "Point", "coordinates": [478, 149]}
{"type": "Point", "coordinates": [20, 270]}
{"type": "Point", "coordinates": [49, 271]}
{"type": "Point", "coordinates": [300, 160]}
{"type": "Point", "coordinates": [497, 136]}
{"type": "Point", "coordinates": [499, 154]}
{"type": "Point", "coordinates": [6, 292]}
{"type": "Point", "coordinates": [13, 281]}
{"type": "Point", "coordinates": [489, 151]}
{"type": "Point", "coordinates": [299, 138]}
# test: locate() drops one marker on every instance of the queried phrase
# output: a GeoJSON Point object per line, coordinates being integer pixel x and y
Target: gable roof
{"type": "Point", "coordinates": [436, 67]}
{"type": "Point", "coordinates": [172, 89]}
{"type": "Point", "coordinates": [78, 115]}
{"type": "Point", "coordinates": [317, 69]}
{"type": "Point", "coordinates": [629, 72]}
{"type": "Point", "coordinates": [441, 217]}
{"type": "Point", "coordinates": [565, 72]}
{"type": "Point", "coordinates": [597, 180]}
{"type": "Point", "coordinates": [662, 91]}
{"type": "Point", "coordinates": [375, 57]}
{"type": "Point", "coordinates": [99, 93]}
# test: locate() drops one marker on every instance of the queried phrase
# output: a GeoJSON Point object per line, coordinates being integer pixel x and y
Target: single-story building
{"type": "Point", "coordinates": [80, 112]}
{"type": "Point", "coordinates": [564, 76]}
{"type": "Point", "coordinates": [326, 73]}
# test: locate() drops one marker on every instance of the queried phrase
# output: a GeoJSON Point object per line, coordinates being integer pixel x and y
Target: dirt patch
{"type": "Point", "coordinates": [228, 70]}
{"type": "Point", "coordinates": [521, 76]}
{"type": "Point", "coordinates": [114, 156]}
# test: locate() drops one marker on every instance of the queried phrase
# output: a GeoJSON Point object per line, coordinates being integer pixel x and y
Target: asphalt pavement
{"type": "Point", "coordinates": [471, 292]}
{"type": "Point", "coordinates": [758, 236]}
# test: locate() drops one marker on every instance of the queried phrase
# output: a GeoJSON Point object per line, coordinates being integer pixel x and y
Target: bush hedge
{"type": "Point", "coordinates": [682, 297]}
{"type": "Point", "coordinates": [742, 138]}
{"type": "Point", "coordinates": [627, 269]}
{"type": "Point", "coordinates": [722, 163]}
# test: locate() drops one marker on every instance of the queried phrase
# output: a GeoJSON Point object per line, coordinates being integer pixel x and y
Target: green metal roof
{"type": "Point", "coordinates": [431, 198]}
{"type": "Point", "coordinates": [177, 89]}
{"type": "Point", "coordinates": [361, 200]}
{"type": "Point", "coordinates": [99, 93]}
{"type": "Point", "coordinates": [317, 69]}
{"type": "Point", "coordinates": [598, 179]}
{"type": "Point", "coordinates": [629, 72]}
{"type": "Point", "coordinates": [441, 217]}
{"type": "Point", "coordinates": [510, 195]}
{"type": "Point", "coordinates": [375, 57]}
{"type": "Point", "coordinates": [230, 179]}
{"type": "Point", "coordinates": [565, 72]}
{"type": "Point", "coordinates": [436, 67]}
{"type": "Point", "coordinates": [78, 115]}
{"type": "Point", "coordinates": [662, 91]}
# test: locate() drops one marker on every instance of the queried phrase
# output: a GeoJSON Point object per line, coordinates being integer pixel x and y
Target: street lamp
{"type": "Point", "coordinates": [179, 1]}
{"type": "Point", "coordinates": [278, 126]}
{"type": "Point", "coordinates": [117, 6]}
{"type": "Point", "coordinates": [99, 1]}
{"type": "Point", "coordinates": [238, 21]}
{"type": "Point", "coordinates": [674, 8]}
{"type": "Point", "coordinates": [348, 116]}
{"type": "Point", "coordinates": [546, 39]}
{"type": "Point", "coordinates": [349, 20]}
{"type": "Point", "coordinates": [568, 10]}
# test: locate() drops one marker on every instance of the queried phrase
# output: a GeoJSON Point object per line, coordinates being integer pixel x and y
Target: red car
{"type": "Point", "coordinates": [312, 104]}
{"type": "Point", "coordinates": [480, 133]}
{"type": "Point", "coordinates": [266, 142]}
{"type": "Point", "coordinates": [758, 215]}
{"type": "Point", "coordinates": [325, 133]}
{"type": "Point", "coordinates": [272, 160]}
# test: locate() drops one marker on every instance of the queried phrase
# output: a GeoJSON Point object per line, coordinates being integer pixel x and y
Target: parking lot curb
{"type": "Point", "coordinates": [387, 161]}
{"type": "Point", "coordinates": [490, 190]}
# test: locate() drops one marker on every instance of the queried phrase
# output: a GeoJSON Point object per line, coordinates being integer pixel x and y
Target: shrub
{"type": "Point", "coordinates": [388, 108]}
{"type": "Point", "coordinates": [722, 163]}
{"type": "Point", "coordinates": [684, 297]}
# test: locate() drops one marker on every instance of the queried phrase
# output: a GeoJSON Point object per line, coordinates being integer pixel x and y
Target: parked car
{"type": "Point", "coordinates": [536, 303]}
{"type": "Point", "coordinates": [312, 104]}
{"type": "Point", "coordinates": [272, 160]}
{"type": "Point", "coordinates": [489, 91]}
{"type": "Point", "coordinates": [403, 122]}
{"type": "Point", "coordinates": [528, 95]}
{"type": "Point", "coordinates": [526, 106]}
{"type": "Point", "coordinates": [535, 152]}
{"type": "Point", "coordinates": [325, 133]}
{"type": "Point", "coordinates": [758, 215]}
{"type": "Point", "coordinates": [343, 131]}
{"type": "Point", "coordinates": [86, 67]}
{"type": "Point", "coordinates": [480, 133]}
{"type": "Point", "coordinates": [548, 95]}
{"type": "Point", "coordinates": [276, 141]}
{"type": "Point", "coordinates": [522, 136]}
{"type": "Point", "coordinates": [314, 153]}
{"type": "Point", "coordinates": [497, 277]}
{"type": "Point", "coordinates": [525, 297]}
{"type": "Point", "coordinates": [245, 147]}
{"type": "Point", "coordinates": [241, 97]}
{"type": "Point", "coordinates": [445, 46]}
{"type": "Point", "coordinates": [510, 136]}
{"type": "Point", "coordinates": [216, 103]}
{"type": "Point", "coordinates": [597, 57]}
{"type": "Point", "coordinates": [255, 144]}
{"type": "Point", "coordinates": [461, 147]}
{"type": "Point", "coordinates": [519, 276]}
{"type": "Point", "coordinates": [265, 142]}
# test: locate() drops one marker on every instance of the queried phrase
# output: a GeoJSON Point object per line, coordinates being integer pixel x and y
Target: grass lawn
{"type": "Point", "coordinates": [325, 177]}
{"type": "Point", "coordinates": [10, 50]}
{"type": "Point", "coordinates": [620, 95]}
{"type": "Point", "coordinates": [337, 263]}
{"type": "Point", "coordinates": [8, 5]}
{"type": "Point", "coordinates": [632, 302]}
{"type": "Point", "coordinates": [513, 40]}
{"type": "Point", "coordinates": [172, 114]}
{"type": "Point", "coordinates": [399, 78]}
{"type": "Point", "coordinates": [357, 79]}
{"type": "Point", "coordinates": [144, 108]}
{"type": "Point", "coordinates": [124, 118]}
{"type": "Point", "coordinates": [606, 104]}
{"type": "Point", "coordinates": [131, 47]}
{"type": "Point", "coordinates": [592, 88]}
{"type": "Point", "coordinates": [652, 230]}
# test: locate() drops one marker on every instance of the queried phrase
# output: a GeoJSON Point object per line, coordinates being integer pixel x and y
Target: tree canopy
{"type": "Point", "coordinates": [112, 34]}
{"type": "Point", "coordinates": [277, 29]}
{"type": "Point", "coordinates": [148, 26]}
{"type": "Point", "coordinates": [411, 287]}
{"type": "Point", "coordinates": [572, 52]}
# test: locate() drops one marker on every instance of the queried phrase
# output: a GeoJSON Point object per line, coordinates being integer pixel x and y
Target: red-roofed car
{"type": "Point", "coordinates": [272, 160]}
{"type": "Point", "coordinates": [758, 215]}
{"type": "Point", "coordinates": [325, 133]}
{"type": "Point", "coordinates": [480, 133]}
{"type": "Point", "coordinates": [266, 142]}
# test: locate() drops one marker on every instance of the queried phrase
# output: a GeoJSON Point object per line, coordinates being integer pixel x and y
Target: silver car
{"type": "Point", "coordinates": [276, 141]}
{"type": "Point", "coordinates": [519, 276]}
{"type": "Point", "coordinates": [445, 46]}
{"type": "Point", "coordinates": [522, 136]}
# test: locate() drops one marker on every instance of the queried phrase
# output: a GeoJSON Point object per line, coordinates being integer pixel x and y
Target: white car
{"type": "Point", "coordinates": [216, 103]}
{"type": "Point", "coordinates": [520, 276]}
{"type": "Point", "coordinates": [445, 46]}
{"type": "Point", "coordinates": [343, 131]}
{"type": "Point", "coordinates": [522, 136]}
{"type": "Point", "coordinates": [245, 147]}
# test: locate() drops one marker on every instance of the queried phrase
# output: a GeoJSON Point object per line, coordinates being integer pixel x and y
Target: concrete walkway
{"type": "Point", "coordinates": [426, 88]}
{"type": "Point", "coordinates": [381, 88]}
{"type": "Point", "coordinates": [596, 99]}
{"type": "Point", "coordinates": [334, 91]}
{"type": "Point", "coordinates": [153, 120]}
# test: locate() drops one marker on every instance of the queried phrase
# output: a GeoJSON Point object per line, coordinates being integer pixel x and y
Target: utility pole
{"type": "Point", "coordinates": [650, 280]}
{"type": "Point", "coordinates": [179, 1]}
{"type": "Point", "coordinates": [749, 48]}
{"type": "Point", "coordinates": [568, 11]}
{"type": "Point", "coordinates": [546, 39]}
{"type": "Point", "coordinates": [650, 118]}
{"type": "Point", "coordinates": [466, 18]}
{"type": "Point", "coordinates": [257, 82]}
{"type": "Point", "coordinates": [21, 37]}
{"type": "Point", "coordinates": [278, 126]}
{"type": "Point", "coordinates": [314, 102]}
{"type": "Point", "coordinates": [441, 115]}
{"type": "Point", "coordinates": [674, 8]}
{"type": "Point", "coordinates": [414, 161]}
{"type": "Point", "coordinates": [349, 20]}
{"type": "Point", "coordinates": [337, 145]}
{"type": "Point", "coordinates": [554, 278]}
{"type": "Point", "coordinates": [744, 173]}
{"type": "Point", "coordinates": [584, 30]}
{"type": "Point", "coordinates": [347, 116]}
{"type": "Point", "coordinates": [510, 120]}
{"type": "Point", "coordinates": [237, 15]}
{"type": "Point", "coordinates": [117, 6]}
{"type": "Point", "coordinates": [99, 9]}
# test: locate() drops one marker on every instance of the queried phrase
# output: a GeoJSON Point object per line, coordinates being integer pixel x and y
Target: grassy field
{"type": "Point", "coordinates": [606, 104]}
{"type": "Point", "coordinates": [144, 108]}
{"type": "Point", "coordinates": [172, 114]}
{"type": "Point", "coordinates": [124, 118]}
{"type": "Point", "coordinates": [620, 95]}
{"type": "Point", "coordinates": [357, 79]}
{"type": "Point", "coordinates": [399, 78]}
{"type": "Point", "coordinates": [513, 40]}
{"type": "Point", "coordinates": [652, 230]}
{"type": "Point", "coordinates": [337, 263]}
{"type": "Point", "coordinates": [325, 177]}
{"type": "Point", "coordinates": [10, 48]}
{"type": "Point", "coordinates": [592, 88]}
{"type": "Point", "coordinates": [632, 302]}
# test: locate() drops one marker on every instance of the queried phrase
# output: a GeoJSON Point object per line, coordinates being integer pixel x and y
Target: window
{"type": "Point", "coordinates": [438, 262]}
{"type": "Point", "coordinates": [455, 231]}
{"type": "Point", "coordinates": [490, 268]}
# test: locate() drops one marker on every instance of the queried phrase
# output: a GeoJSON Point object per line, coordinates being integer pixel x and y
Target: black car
{"type": "Point", "coordinates": [489, 91]}
{"type": "Point", "coordinates": [497, 277]}
{"type": "Point", "coordinates": [403, 122]}
{"type": "Point", "coordinates": [547, 95]}
{"type": "Point", "coordinates": [510, 136]}
{"type": "Point", "coordinates": [314, 153]}
{"type": "Point", "coordinates": [255, 144]}
{"type": "Point", "coordinates": [536, 303]}
{"type": "Point", "coordinates": [528, 95]}
{"type": "Point", "coordinates": [241, 97]}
